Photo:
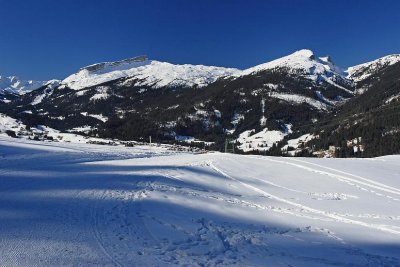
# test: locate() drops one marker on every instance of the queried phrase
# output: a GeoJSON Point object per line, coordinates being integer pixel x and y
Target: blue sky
{"type": "Point", "coordinates": [43, 39]}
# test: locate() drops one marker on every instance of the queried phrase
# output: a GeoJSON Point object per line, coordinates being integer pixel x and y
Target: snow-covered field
{"type": "Point", "coordinates": [66, 204]}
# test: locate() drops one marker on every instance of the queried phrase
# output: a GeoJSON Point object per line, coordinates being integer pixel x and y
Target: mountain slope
{"type": "Point", "coordinates": [369, 124]}
{"type": "Point", "coordinates": [363, 71]}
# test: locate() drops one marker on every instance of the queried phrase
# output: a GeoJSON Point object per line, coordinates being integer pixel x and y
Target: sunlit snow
{"type": "Point", "coordinates": [67, 204]}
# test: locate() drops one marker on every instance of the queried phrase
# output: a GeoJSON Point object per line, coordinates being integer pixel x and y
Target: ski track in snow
{"type": "Point", "coordinates": [90, 205]}
{"type": "Point", "coordinates": [312, 210]}
{"type": "Point", "coordinates": [350, 181]}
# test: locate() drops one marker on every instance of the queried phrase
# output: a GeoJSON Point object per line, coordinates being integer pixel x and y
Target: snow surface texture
{"type": "Point", "coordinates": [16, 86]}
{"type": "Point", "coordinates": [147, 72]}
{"type": "Point", "coordinates": [64, 204]}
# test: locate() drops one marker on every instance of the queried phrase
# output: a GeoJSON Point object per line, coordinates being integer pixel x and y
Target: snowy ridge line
{"type": "Point", "coordinates": [346, 173]}
{"type": "Point", "coordinates": [395, 191]}
{"type": "Point", "coordinates": [147, 72]}
{"type": "Point", "coordinates": [158, 74]}
{"type": "Point", "coordinates": [316, 211]}
{"type": "Point", "coordinates": [362, 71]}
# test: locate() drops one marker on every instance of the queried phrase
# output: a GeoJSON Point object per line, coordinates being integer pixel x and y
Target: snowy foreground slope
{"type": "Point", "coordinates": [89, 205]}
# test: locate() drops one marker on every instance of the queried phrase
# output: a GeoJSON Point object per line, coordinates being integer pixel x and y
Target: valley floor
{"type": "Point", "coordinates": [65, 204]}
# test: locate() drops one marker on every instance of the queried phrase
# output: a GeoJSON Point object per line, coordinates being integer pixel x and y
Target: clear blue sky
{"type": "Point", "coordinates": [43, 39]}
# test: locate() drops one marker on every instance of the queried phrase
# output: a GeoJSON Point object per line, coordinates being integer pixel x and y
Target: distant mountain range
{"type": "Point", "coordinates": [13, 85]}
{"type": "Point", "coordinates": [299, 104]}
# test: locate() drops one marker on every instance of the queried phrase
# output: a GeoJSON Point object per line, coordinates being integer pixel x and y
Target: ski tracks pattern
{"type": "Point", "coordinates": [303, 207]}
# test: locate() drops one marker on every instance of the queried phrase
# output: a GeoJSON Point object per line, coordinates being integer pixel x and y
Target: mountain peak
{"type": "Point", "coordinates": [303, 60]}
{"type": "Point", "coordinates": [304, 63]}
{"type": "Point", "coordinates": [307, 53]}
{"type": "Point", "coordinates": [326, 59]}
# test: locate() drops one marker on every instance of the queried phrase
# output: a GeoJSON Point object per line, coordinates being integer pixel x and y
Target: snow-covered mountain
{"type": "Point", "coordinates": [142, 71]}
{"type": "Point", "coordinates": [297, 83]}
{"type": "Point", "coordinates": [135, 98]}
{"type": "Point", "coordinates": [305, 63]}
{"type": "Point", "coordinates": [14, 85]}
{"type": "Point", "coordinates": [362, 71]}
